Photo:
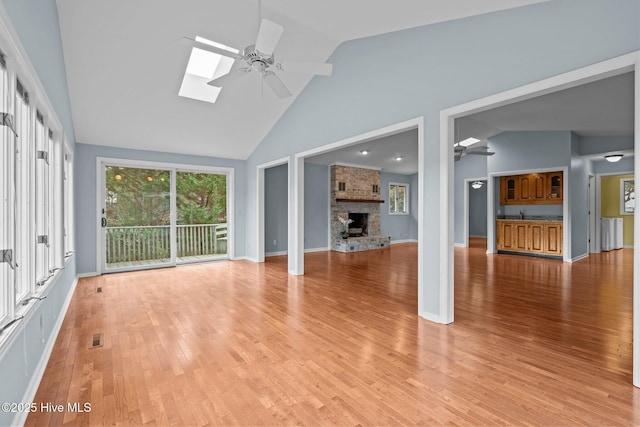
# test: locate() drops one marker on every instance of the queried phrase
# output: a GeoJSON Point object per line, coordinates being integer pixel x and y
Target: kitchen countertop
{"type": "Point", "coordinates": [538, 218]}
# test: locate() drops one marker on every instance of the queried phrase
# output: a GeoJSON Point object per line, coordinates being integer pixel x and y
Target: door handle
{"type": "Point", "coordinates": [104, 222]}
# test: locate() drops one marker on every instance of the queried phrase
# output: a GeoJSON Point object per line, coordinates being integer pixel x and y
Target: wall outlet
{"type": "Point", "coordinates": [274, 242]}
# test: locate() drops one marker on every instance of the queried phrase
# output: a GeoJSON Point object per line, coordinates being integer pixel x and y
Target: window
{"type": "Point", "coordinates": [68, 202]}
{"type": "Point", "coordinates": [627, 196]}
{"type": "Point", "coordinates": [43, 191]}
{"type": "Point", "coordinates": [398, 199]}
{"type": "Point", "coordinates": [33, 207]}
{"type": "Point", "coordinates": [25, 216]}
{"type": "Point", "coordinates": [7, 201]}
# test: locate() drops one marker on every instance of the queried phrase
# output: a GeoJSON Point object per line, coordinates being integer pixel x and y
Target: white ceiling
{"type": "Point", "coordinates": [124, 64]}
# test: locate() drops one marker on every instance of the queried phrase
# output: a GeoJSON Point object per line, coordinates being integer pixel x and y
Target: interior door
{"type": "Point", "coordinates": [136, 218]}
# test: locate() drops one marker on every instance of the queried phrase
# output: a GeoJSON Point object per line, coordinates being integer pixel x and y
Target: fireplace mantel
{"type": "Point", "coordinates": [359, 201]}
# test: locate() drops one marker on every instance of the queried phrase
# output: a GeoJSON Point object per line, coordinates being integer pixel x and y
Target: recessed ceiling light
{"type": "Point", "coordinates": [477, 184]}
{"type": "Point", "coordinates": [398, 158]}
{"type": "Point", "coordinates": [469, 141]}
{"type": "Point", "coordinates": [364, 152]}
{"type": "Point", "coordinates": [613, 157]}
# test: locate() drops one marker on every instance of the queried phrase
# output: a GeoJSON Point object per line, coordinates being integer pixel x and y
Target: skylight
{"type": "Point", "coordinates": [469, 141]}
{"type": "Point", "coordinates": [204, 66]}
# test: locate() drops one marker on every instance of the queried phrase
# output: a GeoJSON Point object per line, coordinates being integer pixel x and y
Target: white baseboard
{"type": "Point", "coordinates": [432, 317]}
{"type": "Point", "coordinates": [579, 257]}
{"type": "Point", "coordinates": [244, 258]}
{"type": "Point", "coordinates": [325, 249]}
{"type": "Point", "coordinates": [459, 245]}
{"type": "Point", "coordinates": [478, 237]}
{"type": "Point", "coordinates": [81, 275]}
{"type": "Point", "coordinates": [395, 242]}
{"type": "Point", "coordinates": [306, 251]}
{"type": "Point", "coordinates": [627, 247]}
{"type": "Point", "coordinates": [279, 253]}
{"type": "Point", "coordinates": [32, 388]}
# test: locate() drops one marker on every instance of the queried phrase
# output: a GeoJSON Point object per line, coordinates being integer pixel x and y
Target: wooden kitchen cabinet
{"type": "Point", "coordinates": [553, 239]}
{"type": "Point", "coordinates": [508, 193]}
{"type": "Point", "coordinates": [534, 237]}
{"type": "Point", "coordinates": [554, 186]}
{"type": "Point", "coordinates": [541, 188]}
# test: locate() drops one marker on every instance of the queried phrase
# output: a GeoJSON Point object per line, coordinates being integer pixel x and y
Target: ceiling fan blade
{"type": "Point", "coordinates": [318, 68]}
{"type": "Point", "coordinates": [276, 84]}
{"type": "Point", "coordinates": [481, 153]}
{"type": "Point", "coordinates": [186, 41]}
{"type": "Point", "coordinates": [482, 148]}
{"type": "Point", "coordinates": [268, 37]}
{"type": "Point", "coordinates": [231, 76]}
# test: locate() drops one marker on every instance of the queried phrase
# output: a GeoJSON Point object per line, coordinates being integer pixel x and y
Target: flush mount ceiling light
{"type": "Point", "coordinates": [398, 158]}
{"type": "Point", "coordinates": [613, 157]}
{"type": "Point", "coordinates": [364, 152]}
{"type": "Point", "coordinates": [477, 185]}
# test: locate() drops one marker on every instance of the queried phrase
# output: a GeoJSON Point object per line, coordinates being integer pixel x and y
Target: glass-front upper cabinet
{"type": "Point", "coordinates": [554, 181]}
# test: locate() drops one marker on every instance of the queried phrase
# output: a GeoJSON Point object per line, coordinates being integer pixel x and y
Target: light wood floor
{"type": "Point", "coordinates": [535, 341]}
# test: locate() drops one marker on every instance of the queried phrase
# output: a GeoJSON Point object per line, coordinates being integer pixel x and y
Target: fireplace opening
{"type": "Point", "coordinates": [359, 226]}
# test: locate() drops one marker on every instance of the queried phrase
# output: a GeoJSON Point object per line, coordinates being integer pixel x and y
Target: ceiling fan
{"type": "Point", "coordinates": [461, 147]}
{"type": "Point", "coordinates": [462, 150]}
{"type": "Point", "coordinates": [259, 59]}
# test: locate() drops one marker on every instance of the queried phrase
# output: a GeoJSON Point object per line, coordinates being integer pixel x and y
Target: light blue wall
{"type": "Point", "coordinates": [603, 144]}
{"type": "Point", "coordinates": [316, 206]}
{"type": "Point", "coordinates": [516, 151]}
{"type": "Point", "coordinates": [398, 227]}
{"type": "Point", "coordinates": [624, 165]}
{"type": "Point", "coordinates": [36, 23]}
{"type": "Point", "coordinates": [85, 162]}
{"type": "Point", "coordinates": [381, 80]}
{"type": "Point", "coordinates": [477, 211]}
{"type": "Point", "coordinates": [275, 209]}
{"type": "Point", "coordinates": [465, 168]}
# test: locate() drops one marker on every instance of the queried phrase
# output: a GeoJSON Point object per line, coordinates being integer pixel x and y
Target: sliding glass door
{"type": "Point", "coordinates": [154, 217]}
{"type": "Point", "coordinates": [201, 207]}
{"type": "Point", "coordinates": [137, 218]}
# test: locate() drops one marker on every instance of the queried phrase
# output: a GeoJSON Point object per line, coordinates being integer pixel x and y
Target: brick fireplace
{"type": "Point", "coordinates": [355, 194]}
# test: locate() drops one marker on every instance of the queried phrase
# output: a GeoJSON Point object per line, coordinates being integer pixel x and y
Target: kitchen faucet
{"type": "Point", "coordinates": [522, 214]}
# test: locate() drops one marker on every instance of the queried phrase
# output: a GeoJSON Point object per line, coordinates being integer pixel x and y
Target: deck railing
{"type": "Point", "coordinates": [144, 243]}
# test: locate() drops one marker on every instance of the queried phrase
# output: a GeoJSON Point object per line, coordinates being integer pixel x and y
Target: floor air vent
{"type": "Point", "coordinates": [99, 290]}
{"type": "Point", "coordinates": [97, 340]}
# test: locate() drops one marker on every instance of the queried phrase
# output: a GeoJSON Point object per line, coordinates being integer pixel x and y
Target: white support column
{"type": "Point", "coordinates": [296, 223]}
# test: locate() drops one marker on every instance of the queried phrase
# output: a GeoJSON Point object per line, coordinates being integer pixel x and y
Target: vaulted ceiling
{"type": "Point", "coordinates": [125, 64]}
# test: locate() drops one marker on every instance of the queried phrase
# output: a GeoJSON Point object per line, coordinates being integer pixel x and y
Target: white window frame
{"type": "Point", "coordinates": [406, 198]}
{"type": "Point", "coordinates": [19, 293]}
{"type": "Point", "coordinates": [68, 203]}
{"type": "Point", "coordinates": [7, 202]}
